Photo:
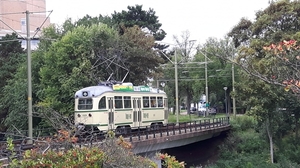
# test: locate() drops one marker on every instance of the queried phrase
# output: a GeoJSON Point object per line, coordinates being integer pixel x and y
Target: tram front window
{"type": "Point", "coordinates": [85, 104]}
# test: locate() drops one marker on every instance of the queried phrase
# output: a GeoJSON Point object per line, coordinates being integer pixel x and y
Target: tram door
{"type": "Point", "coordinates": [111, 110]}
{"type": "Point", "coordinates": [137, 111]}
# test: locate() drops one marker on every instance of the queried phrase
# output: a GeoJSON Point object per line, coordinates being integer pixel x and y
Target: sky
{"type": "Point", "coordinates": [202, 18]}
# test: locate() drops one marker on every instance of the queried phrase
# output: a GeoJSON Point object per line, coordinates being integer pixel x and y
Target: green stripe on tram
{"type": "Point", "coordinates": [123, 109]}
{"type": "Point", "coordinates": [151, 121]}
{"type": "Point", "coordinates": [152, 108]}
{"type": "Point", "coordinates": [92, 111]}
{"type": "Point", "coordinates": [123, 123]}
{"type": "Point", "coordinates": [95, 125]}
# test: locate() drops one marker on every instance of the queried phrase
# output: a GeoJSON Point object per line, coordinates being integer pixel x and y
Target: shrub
{"type": "Point", "coordinates": [111, 152]}
{"type": "Point", "coordinates": [243, 123]}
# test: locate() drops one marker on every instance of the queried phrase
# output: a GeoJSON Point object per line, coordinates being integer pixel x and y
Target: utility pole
{"type": "Point", "coordinates": [233, 90]}
{"type": "Point", "coordinates": [206, 87]}
{"type": "Point", "coordinates": [29, 77]}
{"type": "Point", "coordinates": [176, 88]}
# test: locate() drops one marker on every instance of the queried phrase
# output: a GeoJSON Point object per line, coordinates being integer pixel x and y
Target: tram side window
{"type": "Point", "coordinates": [146, 102]}
{"type": "Point", "coordinates": [127, 102]}
{"type": "Point", "coordinates": [102, 103]}
{"type": "Point", "coordinates": [118, 102]}
{"type": "Point", "coordinates": [160, 102]}
{"type": "Point", "coordinates": [85, 104]}
{"type": "Point", "coordinates": [153, 101]}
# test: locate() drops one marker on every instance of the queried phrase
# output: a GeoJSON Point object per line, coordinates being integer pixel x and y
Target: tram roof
{"type": "Point", "coordinates": [94, 91]}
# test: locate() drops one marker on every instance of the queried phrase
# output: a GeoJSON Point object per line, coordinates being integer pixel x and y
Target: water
{"type": "Point", "coordinates": [199, 153]}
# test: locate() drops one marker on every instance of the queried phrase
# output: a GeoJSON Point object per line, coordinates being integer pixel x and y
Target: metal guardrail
{"type": "Point", "coordinates": [173, 129]}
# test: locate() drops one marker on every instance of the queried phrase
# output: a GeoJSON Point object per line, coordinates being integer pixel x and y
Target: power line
{"type": "Point", "coordinates": [12, 13]}
{"type": "Point", "coordinates": [12, 29]}
{"type": "Point", "coordinates": [17, 21]}
{"type": "Point", "coordinates": [32, 4]}
{"type": "Point", "coordinates": [4, 41]}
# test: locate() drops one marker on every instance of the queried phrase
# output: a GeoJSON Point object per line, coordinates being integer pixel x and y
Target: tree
{"type": "Point", "coordinates": [274, 30]}
{"type": "Point", "coordinates": [144, 19]}
{"type": "Point", "coordinates": [67, 67]}
{"type": "Point", "coordinates": [11, 56]}
{"type": "Point", "coordinates": [87, 20]}
{"type": "Point", "coordinates": [141, 60]}
{"type": "Point", "coordinates": [184, 51]}
{"type": "Point", "coordinates": [268, 51]}
{"type": "Point", "coordinates": [219, 53]}
{"type": "Point", "coordinates": [263, 101]}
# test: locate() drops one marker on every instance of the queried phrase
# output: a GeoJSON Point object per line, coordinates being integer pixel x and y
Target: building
{"type": "Point", "coordinates": [13, 18]}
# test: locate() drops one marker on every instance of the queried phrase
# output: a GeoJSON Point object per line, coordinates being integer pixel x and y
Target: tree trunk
{"type": "Point", "coordinates": [270, 140]}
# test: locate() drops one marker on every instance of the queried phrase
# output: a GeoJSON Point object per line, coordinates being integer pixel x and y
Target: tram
{"type": "Point", "coordinates": [121, 107]}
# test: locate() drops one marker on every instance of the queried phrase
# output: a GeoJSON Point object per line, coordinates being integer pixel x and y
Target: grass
{"type": "Point", "coordinates": [192, 117]}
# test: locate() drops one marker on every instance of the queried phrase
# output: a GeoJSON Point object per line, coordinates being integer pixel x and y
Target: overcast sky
{"type": "Point", "coordinates": [202, 18]}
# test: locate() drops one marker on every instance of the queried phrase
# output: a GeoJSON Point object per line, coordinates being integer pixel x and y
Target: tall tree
{"type": "Point", "coordinates": [67, 67]}
{"type": "Point", "coordinates": [144, 19]}
{"type": "Point", "coordinates": [184, 52]}
{"type": "Point", "coordinates": [11, 56]}
{"type": "Point", "coordinates": [258, 42]}
{"type": "Point", "coordinates": [267, 51]}
{"type": "Point", "coordinates": [141, 60]}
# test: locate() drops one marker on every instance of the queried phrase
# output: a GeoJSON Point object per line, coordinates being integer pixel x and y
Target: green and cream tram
{"type": "Point", "coordinates": [121, 106]}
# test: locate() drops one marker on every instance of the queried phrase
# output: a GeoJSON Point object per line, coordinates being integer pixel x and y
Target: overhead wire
{"type": "Point", "coordinates": [5, 41]}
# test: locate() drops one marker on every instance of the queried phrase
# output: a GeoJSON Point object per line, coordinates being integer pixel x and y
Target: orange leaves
{"type": "Point", "coordinates": [123, 143]}
{"type": "Point", "coordinates": [170, 161]}
{"type": "Point", "coordinates": [287, 55]}
{"type": "Point", "coordinates": [64, 135]}
{"type": "Point", "coordinates": [291, 84]}
{"type": "Point", "coordinates": [279, 48]}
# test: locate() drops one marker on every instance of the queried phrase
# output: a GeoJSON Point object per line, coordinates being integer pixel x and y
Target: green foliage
{"type": "Point", "coordinates": [67, 67]}
{"type": "Point", "coordinates": [144, 19]}
{"type": "Point", "coordinates": [246, 146]}
{"type": "Point", "coordinates": [141, 60]}
{"type": "Point", "coordinates": [76, 157]}
{"type": "Point", "coordinates": [11, 57]}
{"type": "Point", "coordinates": [113, 152]}
{"type": "Point", "coordinates": [15, 100]}
{"type": "Point", "coordinates": [243, 123]}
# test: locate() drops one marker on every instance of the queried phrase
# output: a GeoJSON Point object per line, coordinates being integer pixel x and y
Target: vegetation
{"type": "Point", "coordinates": [112, 152]}
{"type": "Point", "coordinates": [266, 52]}
{"type": "Point", "coordinates": [247, 146]}
{"type": "Point", "coordinates": [192, 117]}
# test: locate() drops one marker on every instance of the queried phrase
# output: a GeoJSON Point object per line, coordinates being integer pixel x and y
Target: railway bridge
{"type": "Point", "coordinates": [175, 135]}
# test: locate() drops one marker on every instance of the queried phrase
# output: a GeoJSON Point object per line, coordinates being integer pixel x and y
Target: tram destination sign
{"type": "Point", "coordinates": [141, 88]}
{"type": "Point", "coordinates": [124, 88]}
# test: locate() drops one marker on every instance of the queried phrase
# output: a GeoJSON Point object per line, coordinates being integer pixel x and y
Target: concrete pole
{"type": "Point", "coordinates": [29, 77]}
{"type": "Point", "coordinates": [226, 107]}
{"type": "Point", "coordinates": [206, 86]}
{"type": "Point", "coordinates": [233, 90]}
{"type": "Point", "coordinates": [176, 88]}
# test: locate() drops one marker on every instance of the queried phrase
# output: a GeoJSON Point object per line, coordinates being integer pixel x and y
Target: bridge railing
{"type": "Point", "coordinates": [173, 129]}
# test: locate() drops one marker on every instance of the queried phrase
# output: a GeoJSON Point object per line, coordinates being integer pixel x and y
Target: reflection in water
{"type": "Point", "coordinates": [199, 153]}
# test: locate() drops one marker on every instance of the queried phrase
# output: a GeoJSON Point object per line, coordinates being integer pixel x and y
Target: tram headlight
{"type": "Point", "coordinates": [78, 115]}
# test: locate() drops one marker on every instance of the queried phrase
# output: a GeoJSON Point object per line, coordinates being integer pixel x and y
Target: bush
{"type": "Point", "coordinates": [243, 123]}
{"type": "Point", "coordinates": [112, 152]}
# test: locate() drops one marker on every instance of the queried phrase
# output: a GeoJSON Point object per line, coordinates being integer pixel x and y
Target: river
{"type": "Point", "coordinates": [199, 153]}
